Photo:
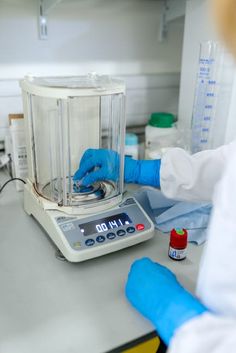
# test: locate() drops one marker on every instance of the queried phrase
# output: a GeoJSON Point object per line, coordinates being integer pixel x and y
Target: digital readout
{"type": "Point", "coordinates": [105, 224]}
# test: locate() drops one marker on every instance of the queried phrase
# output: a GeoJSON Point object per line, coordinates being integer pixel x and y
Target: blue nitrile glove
{"type": "Point", "coordinates": [98, 164]}
{"type": "Point", "coordinates": [155, 292]}
{"type": "Point", "coordinates": [101, 164]}
{"type": "Point", "coordinates": [142, 172]}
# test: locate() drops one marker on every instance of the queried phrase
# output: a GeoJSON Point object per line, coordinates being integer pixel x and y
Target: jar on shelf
{"type": "Point", "coordinates": [160, 134]}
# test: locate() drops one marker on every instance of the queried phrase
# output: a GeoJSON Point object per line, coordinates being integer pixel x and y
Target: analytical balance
{"type": "Point", "coordinates": [64, 117]}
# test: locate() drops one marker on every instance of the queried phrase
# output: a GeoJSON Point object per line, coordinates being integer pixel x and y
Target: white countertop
{"type": "Point", "coordinates": [51, 306]}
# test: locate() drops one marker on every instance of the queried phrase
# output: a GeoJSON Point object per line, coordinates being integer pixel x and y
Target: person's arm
{"type": "Point", "coordinates": [216, 288]}
{"type": "Point", "coordinates": [180, 176]}
{"type": "Point", "coordinates": [156, 293]}
{"type": "Point", "coordinates": [206, 334]}
{"type": "Point", "coordinates": [102, 164]}
{"type": "Point", "coordinates": [181, 320]}
{"type": "Point", "coordinates": [217, 275]}
{"type": "Point", "coordinates": [188, 177]}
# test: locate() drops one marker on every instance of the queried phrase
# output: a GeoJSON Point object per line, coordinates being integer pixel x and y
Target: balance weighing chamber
{"type": "Point", "coordinates": [64, 117]}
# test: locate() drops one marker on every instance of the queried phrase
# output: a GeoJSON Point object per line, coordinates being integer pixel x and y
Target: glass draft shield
{"type": "Point", "coordinates": [65, 116]}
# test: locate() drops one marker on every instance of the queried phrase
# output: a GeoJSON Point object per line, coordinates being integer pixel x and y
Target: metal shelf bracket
{"type": "Point", "coordinates": [45, 6]}
{"type": "Point", "coordinates": [171, 10]}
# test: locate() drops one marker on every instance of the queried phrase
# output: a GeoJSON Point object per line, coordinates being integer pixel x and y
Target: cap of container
{"type": "Point", "coordinates": [161, 120]}
{"type": "Point", "coordinates": [178, 238]}
{"type": "Point", "coordinates": [131, 139]}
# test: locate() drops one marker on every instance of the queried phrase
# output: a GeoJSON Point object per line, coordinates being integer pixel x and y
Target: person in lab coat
{"type": "Point", "coordinates": [186, 323]}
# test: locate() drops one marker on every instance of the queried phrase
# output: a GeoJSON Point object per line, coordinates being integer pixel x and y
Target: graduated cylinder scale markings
{"type": "Point", "coordinates": [205, 97]}
{"type": "Point", "coordinates": [212, 96]}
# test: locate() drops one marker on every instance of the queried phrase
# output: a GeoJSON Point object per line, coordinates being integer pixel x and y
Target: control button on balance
{"type": "Point", "coordinates": [130, 230]}
{"type": "Point", "coordinates": [140, 226]}
{"type": "Point", "coordinates": [89, 242]}
{"type": "Point", "coordinates": [111, 236]}
{"type": "Point", "coordinates": [100, 239]}
{"type": "Point", "coordinates": [121, 232]}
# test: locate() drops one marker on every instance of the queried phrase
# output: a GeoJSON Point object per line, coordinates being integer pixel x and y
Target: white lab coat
{"type": "Point", "coordinates": [209, 175]}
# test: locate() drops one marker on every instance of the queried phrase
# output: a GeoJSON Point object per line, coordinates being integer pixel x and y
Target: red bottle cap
{"type": "Point", "coordinates": [178, 238]}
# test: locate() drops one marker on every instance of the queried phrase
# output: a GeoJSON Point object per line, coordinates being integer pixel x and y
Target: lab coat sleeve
{"type": "Point", "coordinates": [206, 333]}
{"type": "Point", "coordinates": [217, 275]}
{"type": "Point", "coordinates": [216, 333]}
{"type": "Point", "coordinates": [192, 178]}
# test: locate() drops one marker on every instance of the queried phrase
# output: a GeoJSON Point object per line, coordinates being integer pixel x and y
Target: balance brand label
{"type": "Point", "coordinates": [63, 219]}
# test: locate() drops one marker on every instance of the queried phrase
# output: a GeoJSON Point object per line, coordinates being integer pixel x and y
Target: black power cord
{"type": "Point", "coordinates": [8, 181]}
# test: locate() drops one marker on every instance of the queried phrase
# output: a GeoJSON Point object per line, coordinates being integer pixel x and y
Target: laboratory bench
{"type": "Point", "coordinates": [48, 305]}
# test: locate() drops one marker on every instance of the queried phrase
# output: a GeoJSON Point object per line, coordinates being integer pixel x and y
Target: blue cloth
{"type": "Point", "coordinates": [155, 292]}
{"type": "Point", "coordinates": [168, 214]}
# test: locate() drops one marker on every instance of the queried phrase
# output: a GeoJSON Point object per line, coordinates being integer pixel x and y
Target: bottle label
{"type": "Point", "coordinates": [177, 254]}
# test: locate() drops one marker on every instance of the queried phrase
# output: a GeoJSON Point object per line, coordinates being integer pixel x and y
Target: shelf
{"type": "Point", "coordinates": [172, 9]}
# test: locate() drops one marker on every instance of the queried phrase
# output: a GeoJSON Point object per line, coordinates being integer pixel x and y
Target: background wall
{"type": "Point", "coordinates": [106, 36]}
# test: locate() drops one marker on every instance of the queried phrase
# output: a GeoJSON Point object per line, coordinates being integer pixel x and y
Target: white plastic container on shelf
{"type": "Point", "coordinates": [160, 134]}
{"type": "Point", "coordinates": [131, 145]}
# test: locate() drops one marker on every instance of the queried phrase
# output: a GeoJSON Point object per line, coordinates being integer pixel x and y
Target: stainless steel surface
{"type": "Point", "coordinates": [54, 306]}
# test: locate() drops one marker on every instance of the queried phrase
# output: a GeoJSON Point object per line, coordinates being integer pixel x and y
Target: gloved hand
{"type": "Point", "coordinates": [101, 164]}
{"type": "Point", "coordinates": [98, 164]}
{"type": "Point", "coordinates": [155, 292]}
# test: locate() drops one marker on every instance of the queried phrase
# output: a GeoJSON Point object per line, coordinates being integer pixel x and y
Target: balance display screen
{"type": "Point", "coordinates": [105, 224]}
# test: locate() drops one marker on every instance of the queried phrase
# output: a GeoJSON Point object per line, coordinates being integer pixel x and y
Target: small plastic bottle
{"type": "Point", "coordinates": [131, 145]}
{"type": "Point", "coordinates": [178, 244]}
